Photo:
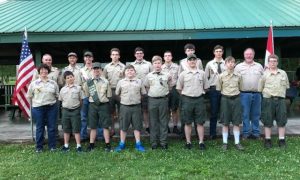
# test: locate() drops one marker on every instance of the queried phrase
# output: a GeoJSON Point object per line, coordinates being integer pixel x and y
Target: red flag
{"type": "Point", "coordinates": [25, 73]}
{"type": "Point", "coordinates": [270, 45]}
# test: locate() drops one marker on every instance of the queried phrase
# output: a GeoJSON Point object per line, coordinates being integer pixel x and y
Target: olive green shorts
{"type": "Point", "coordinates": [231, 110]}
{"type": "Point", "coordinates": [274, 109]}
{"type": "Point", "coordinates": [71, 120]}
{"type": "Point", "coordinates": [99, 115]}
{"type": "Point", "coordinates": [193, 109]}
{"type": "Point", "coordinates": [131, 114]}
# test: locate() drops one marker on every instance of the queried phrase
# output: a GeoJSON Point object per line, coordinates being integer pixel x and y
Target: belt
{"type": "Point", "coordinates": [71, 110]}
{"type": "Point", "coordinates": [276, 97]}
{"type": "Point", "coordinates": [160, 97]}
{"type": "Point", "coordinates": [45, 106]}
{"type": "Point", "coordinates": [191, 97]}
{"type": "Point", "coordinates": [212, 87]}
{"type": "Point", "coordinates": [131, 105]}
{"type": "Point", "coordinates": [231, 97]}
{"type": "Point", "coordinates": [252, 92]}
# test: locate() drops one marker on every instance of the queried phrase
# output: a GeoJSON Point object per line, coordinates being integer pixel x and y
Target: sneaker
{"type": "Point", "coordinates": [176, 130]}
{"type": "Point", "coordinates": [79, 149]}
{"type": "Point", "coordinates": [120, 147]}
{"type": "Point", "coordinates": [225, 147]}
{"type": "Point", "coordinates": [108, 148]}
{"type": "Point", "coordinates": [282, 143]}
{"type": "Point", "coordinates": [65, 149]}
{"type": "Point", "coordinates": [239, 147]}
{"type": "Point", "coordinates": [188, 146]}
{"type": "Point", "coordinates": [202, 146]}
{"type": "Point", "coordinates": [268, 144]}
{"type": "Point", "coordinates": [139, 147]}
{"type": "Point", "coordinates": [52, 149]}
{"type": "Point", "coordinates": [38, 150]}
{"type": "Point", "coordinates": [154, 146]}
{"type": "Point", "coordinates": [164, 147]}
{"type": "Point", "coordinates": [90, 148]}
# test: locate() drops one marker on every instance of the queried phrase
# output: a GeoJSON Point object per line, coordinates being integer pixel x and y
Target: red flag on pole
{"type": "Point", "coordinates": [270, 45]}
{"type": "Point", "coordinates": [24, 76]}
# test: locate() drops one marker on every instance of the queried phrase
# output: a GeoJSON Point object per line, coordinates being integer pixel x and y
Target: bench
{"type": "Point", "coordinates": [8, 91]}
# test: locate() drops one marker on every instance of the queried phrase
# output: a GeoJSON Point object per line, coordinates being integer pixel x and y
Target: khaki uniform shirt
{"type": "Point", "coordinates": [86, 73]}
{"type": "Point", "coordinates": [130, 91]}
{"type": "Point", "coordinates": [103, 90]}
{"type": "Point", "coordinates": [211, 71]}
{"type": "Point", "coordinates": [43, 92]}
{"type": "Point", "coordinates": [184, 65]}
{"type": "Point", "coordinates": [250, 75]}
{"type": "Point", "coordinates": [274, 84]}
{"type": "Point", "coordinates": [114, 73]}
{"type": "Point", "coordinates": [77, 74]}
{"type": "Point", "coordinates": [53, 75]}
{"type": "Point", "coordinates": [229, 83]}
{"type": "Point", "coordinates": [71, 96]}
{"type": "Point", "coordinates": [158, 84]}
{"type": "Point", "coordinates": [173, 72]}
{"type": "Point", "coordinates": [192, 83]}
{"type": "Point", "coordinates": [142, 69]}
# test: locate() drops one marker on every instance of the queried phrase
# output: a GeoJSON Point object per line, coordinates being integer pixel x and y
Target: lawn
{"type": "Point", "coordinates": [19, 161]}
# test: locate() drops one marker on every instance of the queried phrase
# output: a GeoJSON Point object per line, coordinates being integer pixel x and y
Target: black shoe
{"type": "Point", "coordinates": [79, 149]}
{"type": "Point", "coordinates": [154, 146]}
{"type": "Point", "coordinates": [225, 147]}
{"type": "Point", "coordinates": [148, 130]}
{"type": "Point", "coordinates": [188, 146]}
{"type": "Point", "coordinates": [268, 144]}
{"type": "Point", "coordinates": [202, 146]}
{"type": "Point", "coordinates": [253, 137]}
{"type": "Point", "coordinates": [38, 150]}
{"type": "Point", "coordinates": [164, 147]}
{"type": "Point", "coordinates": [108, 148]}
{"type": "Point", "coordinates": [213, 137]}
{"type": "Point", "coordinates": [90, 148]}
{"type": "Point", "coordinates": [282, 143]}
{"type": "Point", "coordinates": [176, 130]}
{"type": "Point", "coordinates": [65, 149]}
{"type": "Point", "coordinates": [239, 147]}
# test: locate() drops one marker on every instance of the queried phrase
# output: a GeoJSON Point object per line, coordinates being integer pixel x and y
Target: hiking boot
{"type": "Point", "coordinates": [282, 143]}
{"type": "Point", "coordinates": [188, 146]}
{"type": "Point", "coordinates": [108, 148]}
{"type": "Point", "coordinates": [268, 144]}
{"type": "Point", "coordinates": [139, 147]}
{"type": "Point", "coordinates": [65, 149]}
{"type": "Point", "coordinates": [202, 146]}
{"type": "Point", "coordinates": [120, 147]}
{"type": "Point", "coordinates": [225, 147]}
{"type": "Point", "coordinates": [239, 147]}
{"type": "Point", "coordinates": [79, 149]}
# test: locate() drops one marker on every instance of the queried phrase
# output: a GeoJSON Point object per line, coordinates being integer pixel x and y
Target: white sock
{"type": "Point", "coordinates": [78, 145]}
{"type": "Point", "coordinates": [236, 137]}
{"type": "Point", "coordinates": [281, 137]}
{"type": "Point", "coordinates": [66, 145]}
{"type": "Point", "coordinates": [225, 137]}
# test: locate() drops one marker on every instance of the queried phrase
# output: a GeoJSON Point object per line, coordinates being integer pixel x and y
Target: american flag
{"type": "Point", "coordinates": [25, 73]}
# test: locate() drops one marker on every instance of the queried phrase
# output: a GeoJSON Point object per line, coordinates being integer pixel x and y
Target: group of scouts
{"type": "Point", "coordinates": [144, 94]}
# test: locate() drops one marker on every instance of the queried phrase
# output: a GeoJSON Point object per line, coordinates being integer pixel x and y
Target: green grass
{"type": "Point", "coordinates": [19, 161]}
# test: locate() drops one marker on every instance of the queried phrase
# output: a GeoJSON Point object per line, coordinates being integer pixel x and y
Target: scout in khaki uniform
{"type": "Point", "coordinates": [189, 49]}
{"type": "Point", "coordinates": [273, 86]}
{"type": "Point", "coordinates": [172, 68]}
{"type": "Point", "coordinates": [86, 74]}
{"type": "Point", "coordinates": [72, 67]}
{"type": "Point", "coordinates": [212, 71]}
{"type": "Point", "coordinates": [130, 89]}
{"type": "Point", "coordinates": [192, 84]}
{"type": "Point", "coordinates": [114, 72]}
{"type": "Point", "coordinates": [142, 68]}
{"type": "Point", "coordinates": [42, 94]}
{"type": "Point", "coordinates": [98, 90]}
{"type": "Point", "coordinates": [229, 83]}
{"type": "Point", "coordinates": [157, 84]}
{"type": "Point", "coordinates": [71, 96]}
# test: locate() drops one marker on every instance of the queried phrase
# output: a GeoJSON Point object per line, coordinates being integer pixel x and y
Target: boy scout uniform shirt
{"type": "Point", "coordinates": [86, 73]}
{"type": "Point", "coordinates": [114, 73]}
{"type": "Point", "coordinates": [130, 91]}
{"type": "Point", "coordinates": [53, 75]}
{"type": "Point", "coordinates": [229, 83]}
{"type": "Point", "coordinates": [184, 65]}
{"type": "Point", "coordinates": [76, 72]}
{"type": "Point", "coordinates": [71, 96]}
{"type": "Point", "coordinates": [103, 90]}
{"type": "Point", "coordinates": [211, 71]}
{"type": "Point", "coordinates": [274, 84]}
{"type": "Point", "coordinates": [250, 75]}
{"type": "Point", "coordinates": [43, 92]}
{"type": "Point", "coordinates": [172, 69]}
{"type": "Point", "coordinates": [142, 68]}
{"type": "Point", "coordinates": [158, 84]}
{"type": "Point", "coordinates": [192, 83]}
